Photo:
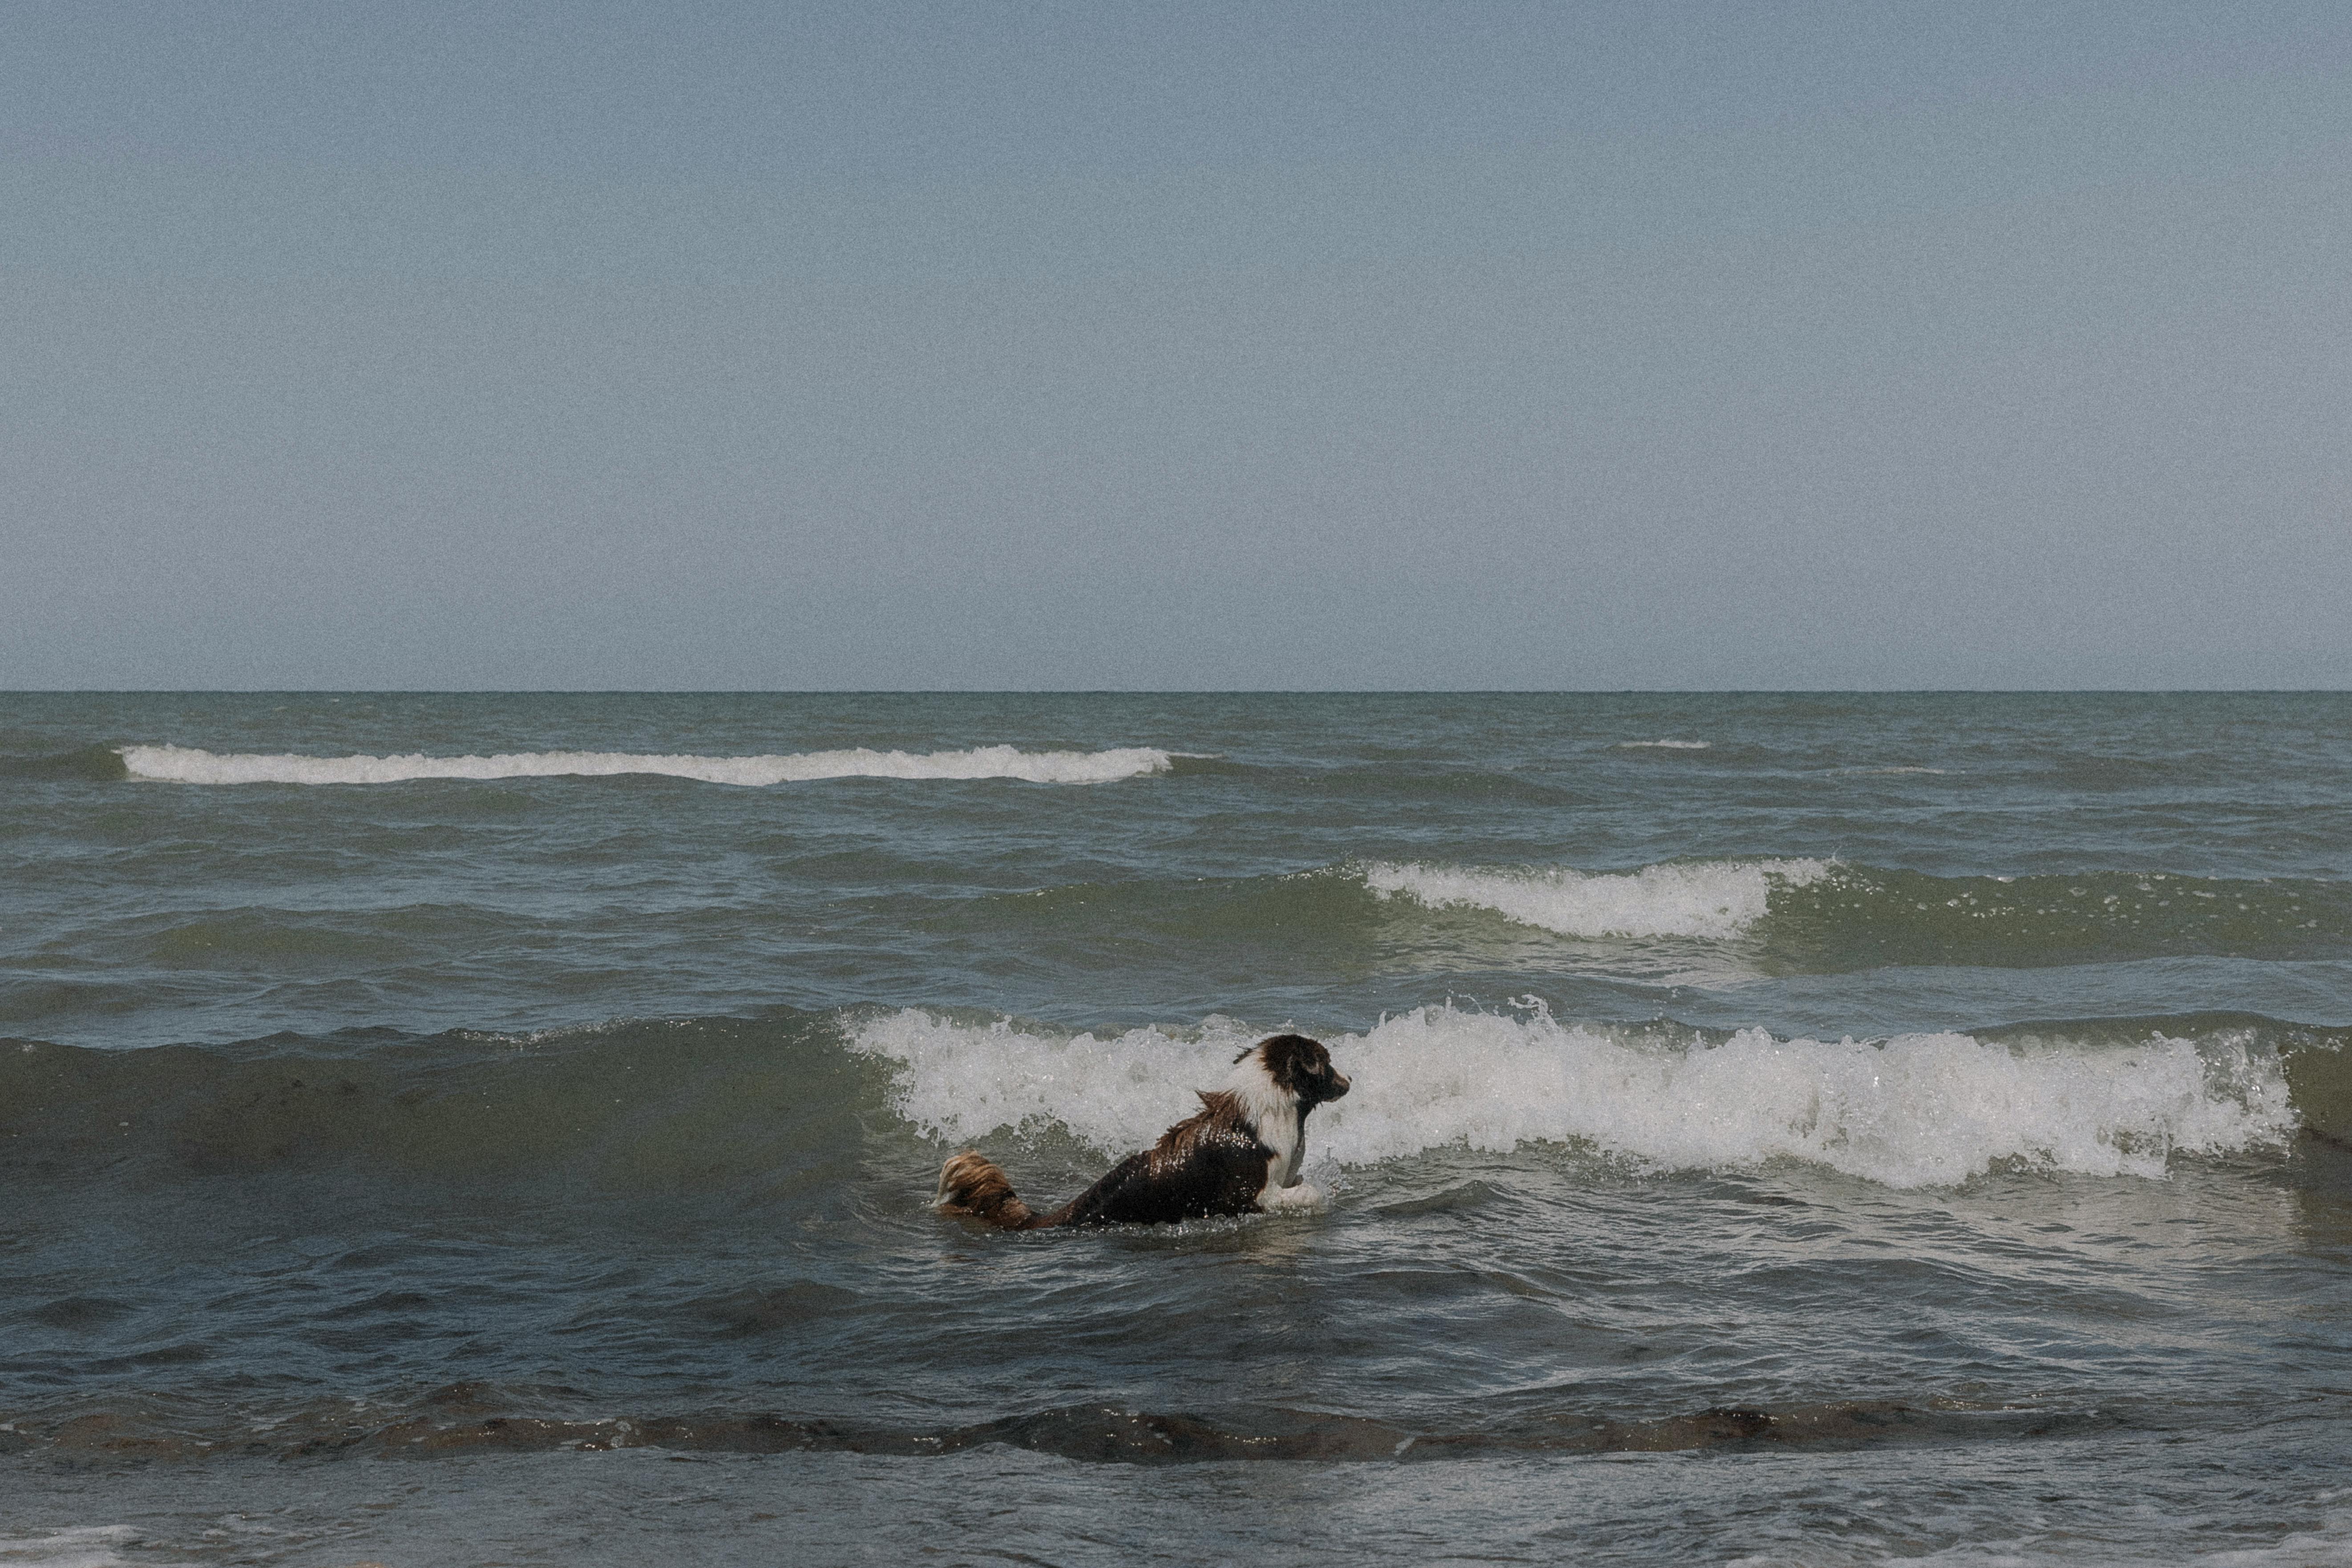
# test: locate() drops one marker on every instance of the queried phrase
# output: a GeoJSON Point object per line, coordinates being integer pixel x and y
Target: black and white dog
{"type": "Point", "coordinates": [1239, 1154]}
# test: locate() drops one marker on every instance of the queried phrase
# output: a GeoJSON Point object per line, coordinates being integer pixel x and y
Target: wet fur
{"type": "Point", "coordinates": [1238, 1154]}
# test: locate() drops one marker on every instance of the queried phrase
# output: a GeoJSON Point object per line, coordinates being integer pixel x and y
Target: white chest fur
{"type": "Point", "coordinates": [1275, 1111]}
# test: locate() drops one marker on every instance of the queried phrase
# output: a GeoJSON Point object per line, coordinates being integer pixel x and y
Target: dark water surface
{"type": "Point", "coordinates": [1788, 1129]}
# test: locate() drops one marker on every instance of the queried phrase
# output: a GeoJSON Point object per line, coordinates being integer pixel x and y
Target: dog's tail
{"type": "Point", "coordinates": [973, 1184]}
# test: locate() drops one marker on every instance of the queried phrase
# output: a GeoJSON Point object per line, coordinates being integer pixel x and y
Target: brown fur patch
{"type": "Point", "coordinates": [1219, 1113]}
{"type": "Point", "coordinates": [972, 1185]}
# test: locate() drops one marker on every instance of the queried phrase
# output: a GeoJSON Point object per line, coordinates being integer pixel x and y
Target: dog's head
{"type": "Point", "coordinates": [1300, 1068]}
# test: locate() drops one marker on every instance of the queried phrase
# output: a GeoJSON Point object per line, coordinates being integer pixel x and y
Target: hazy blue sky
{"type": "Point", "coordinates": [1199, 345]}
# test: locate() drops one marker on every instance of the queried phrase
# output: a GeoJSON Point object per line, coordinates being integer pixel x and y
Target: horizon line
{"type": "Point", "coordinates": [1176, 691]}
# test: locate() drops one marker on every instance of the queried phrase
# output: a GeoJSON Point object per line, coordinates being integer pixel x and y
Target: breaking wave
{"type": "Point", "coordinates": [75, 1546]}
{"type": "Point", "coordinates": [87, 764]}
{"type": "Point", "coordinates": [187, 764]}
{"type": "Point", "coordinates": [1806, 916]}
{"type": "Point", "coordinates": [785, 1103]}
{"type": "Point", "coordinates": [1911, 1111]}
{"type": "Point", "coordinates": [1716, 898]}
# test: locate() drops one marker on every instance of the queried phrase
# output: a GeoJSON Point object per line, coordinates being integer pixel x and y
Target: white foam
{"type": "Point", "coordinates": [1713, 899]}
{"type": "Point", "coordinates": [88, 1546]}
{"type": "Point", "coordinates": [1916, 1111]}
{"type": "Point", "coordinates": [1663, 745]}
{"type": "Point", "coordinates": [186, 764]}
{"type": "Point", "coordinates": [958, 1082]}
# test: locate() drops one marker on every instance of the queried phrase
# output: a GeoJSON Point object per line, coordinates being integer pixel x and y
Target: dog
{"type": "Point", "coordinates": [1238, 1154]}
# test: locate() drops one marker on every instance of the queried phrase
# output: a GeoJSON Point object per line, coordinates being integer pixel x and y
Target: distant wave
{"type": "Point", "coordinates": [1093, 1434]}
{"type": "Point", "coordinates": [1916, 1111]}
{"type": "Point", "coordinates": [1663, 745]}
{"type": "Point", "coordinates": [92, 764]}
{"type": "Point", "coordinates": [186, 764]}
{"type": "Point", "coordinates": [74, 1546]}
{"type": "Point", "coordinates": [1716, 898]}
{"type": "Point", "coordinates": [1828, 916]}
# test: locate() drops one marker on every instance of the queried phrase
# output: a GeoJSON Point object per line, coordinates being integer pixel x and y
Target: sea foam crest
{"type": "Point", "coordinates": [83, 1546]}
{"type": "Point", "coordinates": [1916, 1111]}
{"type": "Point", "coordinates": [1714, 899]}
{"type": "Point", "coordinates": [187, 764]}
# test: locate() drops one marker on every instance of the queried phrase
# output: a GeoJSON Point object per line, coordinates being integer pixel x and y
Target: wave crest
{"type": "Point", "coordinates": [1911, 1111]}
{"type": "Point", "coordinates": [1715, 899]}
{"type": "Point", "coordinates": [187, 765]}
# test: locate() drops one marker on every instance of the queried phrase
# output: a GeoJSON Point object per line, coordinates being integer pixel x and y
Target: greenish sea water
{"type": "Point", "coordinates": [1814, 1129]}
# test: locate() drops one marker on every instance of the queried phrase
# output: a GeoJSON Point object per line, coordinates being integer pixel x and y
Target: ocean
{"type": "Point", "coordinates": [1809, 1129]}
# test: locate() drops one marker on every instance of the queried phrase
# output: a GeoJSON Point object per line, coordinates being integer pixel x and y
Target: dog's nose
{"type": "Point", "coordinates": [1338, 1086]}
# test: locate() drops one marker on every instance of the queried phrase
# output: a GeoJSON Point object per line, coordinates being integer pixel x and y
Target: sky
{"type": "Point", "coordinates": [1260, 345]}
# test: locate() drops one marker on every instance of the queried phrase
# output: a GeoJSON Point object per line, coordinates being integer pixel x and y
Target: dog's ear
{"type": "Point", "coordinates": [1294, 1061]}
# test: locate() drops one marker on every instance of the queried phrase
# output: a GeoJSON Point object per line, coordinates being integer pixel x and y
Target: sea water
{"type": "Point", "coordinates": [1806, 1129]}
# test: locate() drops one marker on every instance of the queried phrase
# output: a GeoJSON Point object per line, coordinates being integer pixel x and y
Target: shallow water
{"type": "Point", "coordinates": [1787, 1128]}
